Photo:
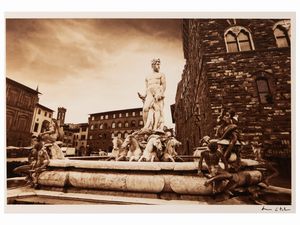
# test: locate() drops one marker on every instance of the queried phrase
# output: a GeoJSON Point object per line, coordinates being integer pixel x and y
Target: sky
{"type": "Point", "coordinates": [93, 65]}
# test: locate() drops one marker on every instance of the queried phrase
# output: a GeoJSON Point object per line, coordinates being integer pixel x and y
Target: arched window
{"type": "Point", "coordinates": [238, 39]}
{"type": "Point", "coordinates": [119, 124]}
{"type": "Point", "coordinates": [101, 126]}
{"type": "Point", "coordinates": [126, 124]}
{"type": "Point", "coordinates": [105, 126]}
{"type": "Point", "coordinates": [263, 90]}
{"type": "Point", "coordinates": [231, 41]}
{"type": "Point", "coordinates": [282, 33]}
{"type": "Point", "coordinates": [133, 123]}
{"type": "Point", "coordinates": [113, 125]}
{"type": "Point", "coordinates": [92, 127]}
{"type": "Point", "coordinates": [119, 135]}
{"type": "Point", "coordinates": [244, 41]}
{"type": "Point", "coordinates": [141, 123]}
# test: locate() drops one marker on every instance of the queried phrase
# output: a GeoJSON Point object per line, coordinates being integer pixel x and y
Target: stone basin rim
{"type": "Point", "coordinates": [142, 166]}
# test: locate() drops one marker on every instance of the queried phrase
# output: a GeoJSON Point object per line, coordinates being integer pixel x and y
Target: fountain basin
{"type": "Point", "coordinates": [139, 177]}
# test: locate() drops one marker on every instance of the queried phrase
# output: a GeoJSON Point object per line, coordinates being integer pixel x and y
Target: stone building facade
{"type": "Point", "coordinates": [20, 103]}
{"type": "Point", "coordinates": [40, 115]}
{"type": "Point", "coordinates": [105, 125]}
{"type": "Point", "coordinates": [71, 134]}
{"type": "Point", "coordinates": [81, 139]}
{"type": "Point", "coordinates": [244, 64]}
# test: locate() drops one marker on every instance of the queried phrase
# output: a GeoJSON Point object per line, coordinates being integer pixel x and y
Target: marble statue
{"type": "Point", "coordinates": [134, 151]}
{"type": "Point", "coordinates": [170, 153]}
{"type": "Point", "coordinates": [153, 99]}
{"type": "Point", "coordinates": [50, 134]}
{"type": "Point", "coordinates": [150, 153]}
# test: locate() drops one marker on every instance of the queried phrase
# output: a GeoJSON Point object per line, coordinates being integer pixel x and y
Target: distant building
{"type": "Point", "coordinates": [40, 116]}
{"type": "Point", "coordinates": [61, 115]}
{"type": "Point", "coordinates": [243, 64]}
{"type": "Point", "coordinates": [20, 103]}
{"type": "Point", "coordinates": [75, 135]}
{"type": "Point", "coordinates": [71, 134]}
{"type": "Point", "coordinates": [81, 140]}
{"type": "Point", "coordinates": [105, 125]}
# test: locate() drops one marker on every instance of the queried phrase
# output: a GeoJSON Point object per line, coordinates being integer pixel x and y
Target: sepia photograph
{"type": "Point", "coordinates": [183, 111]}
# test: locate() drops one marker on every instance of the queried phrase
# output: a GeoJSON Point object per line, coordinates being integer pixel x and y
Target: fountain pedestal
{"type": "Point", "coordinates": [154, 178]}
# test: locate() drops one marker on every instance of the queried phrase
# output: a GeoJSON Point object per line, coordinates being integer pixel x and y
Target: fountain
{"type": "Point", "coordinates": [146, 164]}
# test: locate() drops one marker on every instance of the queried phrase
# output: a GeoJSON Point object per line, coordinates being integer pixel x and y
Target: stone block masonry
{"type": "Point", "coordinates": [214, 78]}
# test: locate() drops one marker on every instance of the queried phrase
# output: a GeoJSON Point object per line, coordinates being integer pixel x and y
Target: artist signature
{"type": "Point", "coordinates": [275, 209]}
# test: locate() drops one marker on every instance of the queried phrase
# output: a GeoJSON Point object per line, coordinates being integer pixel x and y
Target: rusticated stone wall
{"type": "Point", "coordinates": [213, 79]}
